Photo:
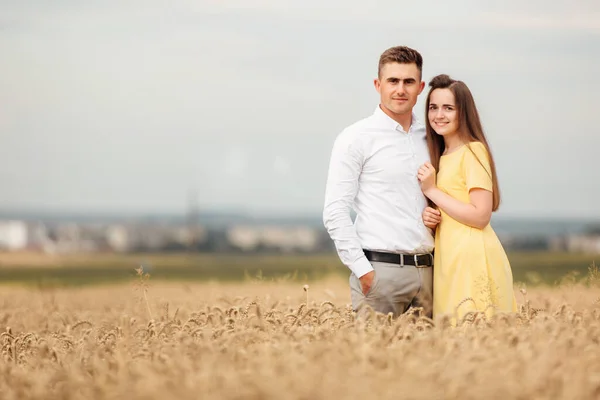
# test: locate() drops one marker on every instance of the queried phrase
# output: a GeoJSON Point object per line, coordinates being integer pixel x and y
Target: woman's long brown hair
{"type": "Point", "coordinates": [469, 127]}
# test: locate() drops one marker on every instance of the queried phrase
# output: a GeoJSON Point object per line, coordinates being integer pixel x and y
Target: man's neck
{"type": "Point", "coordinates": [405, 120]}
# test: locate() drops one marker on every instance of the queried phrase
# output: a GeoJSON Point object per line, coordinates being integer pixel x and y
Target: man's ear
{"type": "Point", "coordinates": [377, 84]}
{"type": "Point", "coordinates": [422, 86]}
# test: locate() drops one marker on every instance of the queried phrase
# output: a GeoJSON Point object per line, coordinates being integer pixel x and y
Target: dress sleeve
{"type": "Point", "coordinates": [476, 167]}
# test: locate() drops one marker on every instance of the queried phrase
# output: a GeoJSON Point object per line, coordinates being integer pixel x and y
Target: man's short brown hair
{"type": "Point", "coordinates": [401, 55]}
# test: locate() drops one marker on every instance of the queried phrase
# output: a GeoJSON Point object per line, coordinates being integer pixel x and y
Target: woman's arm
{"type": "Point", "coordinates": [477, 213]}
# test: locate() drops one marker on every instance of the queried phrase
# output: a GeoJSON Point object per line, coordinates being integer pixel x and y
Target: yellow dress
{"type": "Point", "coordinates": [471, 270]}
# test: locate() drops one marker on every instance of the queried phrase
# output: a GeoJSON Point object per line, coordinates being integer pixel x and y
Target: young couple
{"type": "Point", "coordinates": [418, 187]}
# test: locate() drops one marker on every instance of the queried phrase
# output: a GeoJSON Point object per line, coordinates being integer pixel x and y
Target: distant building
{"type": "Point", "coordinates": [583, 244]}
{"type": "Point", "coordinates": [13, 235]}
{"type": "Point", "coordinates": [269, 238]}
{"type": "Point", "coordinates": [151, 237]}
{"type": "Point", "coordinates": [117, 238]}
{"type": "Point", "coordinates": [243, 237]}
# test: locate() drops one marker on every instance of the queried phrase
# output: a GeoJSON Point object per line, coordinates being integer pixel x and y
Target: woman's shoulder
{"type": "Point", "coordinates": [476, 145]}
{"type": "Point", "coordinates": [476, 155]}
{"type": "Point", "coordinates": [478, 148]}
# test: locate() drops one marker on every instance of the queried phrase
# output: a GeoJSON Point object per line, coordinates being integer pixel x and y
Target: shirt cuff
{"type": "Point", "coordinates": [361, 267]}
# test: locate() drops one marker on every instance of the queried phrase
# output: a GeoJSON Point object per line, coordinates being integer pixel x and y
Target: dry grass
{"type": "Point", "coordinates": [262, 340]}
{"type": "Point", "coordinates": [27, 258]}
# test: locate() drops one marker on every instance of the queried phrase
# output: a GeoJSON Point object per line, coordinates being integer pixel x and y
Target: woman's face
{"type": "Point", "coordinates": [442, 112]}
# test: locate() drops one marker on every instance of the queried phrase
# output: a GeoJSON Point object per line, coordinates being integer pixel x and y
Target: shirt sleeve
{"type": "Point", "coordinates": [477, 168]}
{"type": "Point", "coordinates": [345, 166]}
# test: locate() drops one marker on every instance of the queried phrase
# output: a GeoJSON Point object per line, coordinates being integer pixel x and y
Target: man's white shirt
{"type": "Point", "coordinates": [373, 170]}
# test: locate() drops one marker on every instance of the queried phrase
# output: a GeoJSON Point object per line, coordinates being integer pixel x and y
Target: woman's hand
{"type": "Point", "coordinates": [426, 176]}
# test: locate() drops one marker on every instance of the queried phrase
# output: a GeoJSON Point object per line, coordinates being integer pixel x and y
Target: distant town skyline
{"type": "Point", "coordinates": [127, 107]}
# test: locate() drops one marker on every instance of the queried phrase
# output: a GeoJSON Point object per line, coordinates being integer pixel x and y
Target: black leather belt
{"type": "Point", "coordinates": [417, 260]}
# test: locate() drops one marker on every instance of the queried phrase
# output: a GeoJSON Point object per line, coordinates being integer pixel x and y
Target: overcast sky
{"type": "Point", "coordinates": [128, 105]}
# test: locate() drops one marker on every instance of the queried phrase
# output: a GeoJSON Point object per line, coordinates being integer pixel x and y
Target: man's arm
{"type": "Point", "coordinates": [345, 167]}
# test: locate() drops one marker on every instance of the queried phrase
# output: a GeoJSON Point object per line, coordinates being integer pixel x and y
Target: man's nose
{"type": "Point", "coordinates": [400, 88]}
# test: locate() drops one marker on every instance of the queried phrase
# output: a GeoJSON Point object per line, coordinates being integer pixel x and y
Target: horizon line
{"type": "Point", "coordinates": [237, 212]}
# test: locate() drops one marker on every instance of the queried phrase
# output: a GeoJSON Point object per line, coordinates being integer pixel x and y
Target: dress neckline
{"type": "Point", "coordinates": [455, 150]}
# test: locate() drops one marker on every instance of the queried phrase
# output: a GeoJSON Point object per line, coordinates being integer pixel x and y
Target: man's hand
{"type": "Point", "coordinates": [366, 281]}
{"type": "Point", "coordinates": [431, 217]}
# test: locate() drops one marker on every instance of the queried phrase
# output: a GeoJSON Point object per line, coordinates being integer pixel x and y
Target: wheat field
{"type": "Point", "coordinates": [284, 340]}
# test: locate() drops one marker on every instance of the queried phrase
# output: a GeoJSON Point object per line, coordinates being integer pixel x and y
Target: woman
{"type": "Point", "coordinates": [471, 269]}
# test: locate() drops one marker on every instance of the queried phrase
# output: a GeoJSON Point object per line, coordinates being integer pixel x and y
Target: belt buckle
{"type": "Point", "coordinates": [416, 260]}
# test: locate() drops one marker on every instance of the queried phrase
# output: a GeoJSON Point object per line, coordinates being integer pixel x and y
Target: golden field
{"type": "Point", "coordinates": [37, 269]}
{"type": "Point", "coordinates": [269, 339]}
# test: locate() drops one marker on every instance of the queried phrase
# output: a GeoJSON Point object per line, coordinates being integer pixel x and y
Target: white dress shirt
{"type": "Point", "coordinates": [373, 170]}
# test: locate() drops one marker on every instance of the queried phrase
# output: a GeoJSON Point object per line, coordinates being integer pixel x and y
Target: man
{"type": "Point", "coordinates": [373, 170]}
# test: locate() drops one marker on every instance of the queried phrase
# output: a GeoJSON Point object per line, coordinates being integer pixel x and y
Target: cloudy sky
{"type": "Point", "coordinates": [126, 106]}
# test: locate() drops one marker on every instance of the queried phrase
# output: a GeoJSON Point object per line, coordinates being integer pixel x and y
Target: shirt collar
{"type": "Point", "coordinates": [389, 122]}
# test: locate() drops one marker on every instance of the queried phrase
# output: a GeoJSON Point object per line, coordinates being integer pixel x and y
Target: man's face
{"type": "Point", "coordinates": [399, 85]}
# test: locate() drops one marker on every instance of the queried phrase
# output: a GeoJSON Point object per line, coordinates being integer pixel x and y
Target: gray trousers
{"type": "Point", "coordinates": [395, 289]}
